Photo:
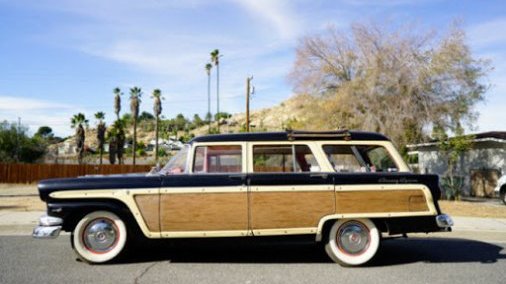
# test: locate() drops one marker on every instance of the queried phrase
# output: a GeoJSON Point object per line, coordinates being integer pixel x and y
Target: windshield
{"type": "Point", "coordinates": [178, 163]}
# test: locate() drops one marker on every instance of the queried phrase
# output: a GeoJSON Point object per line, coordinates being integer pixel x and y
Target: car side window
{"type": "Point", "coordinates": [342, 158]}
{"type": "Point", "coordinates": [359, 158]}
{"type": "Point", "coordinates": [218, 159]}
{"type": "Point", "coordinates": [284, 158]}
{"type": "Point", "coordinates": [379, 159]}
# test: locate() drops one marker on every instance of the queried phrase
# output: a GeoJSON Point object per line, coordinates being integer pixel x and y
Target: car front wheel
{"type": "Point", "coordinates": [352, 242]}
{"type": "Point", "coordinates": [100, 236]}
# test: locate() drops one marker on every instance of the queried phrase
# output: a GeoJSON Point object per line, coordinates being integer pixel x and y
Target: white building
{"type": "Point", "coordinates": [480, 167]}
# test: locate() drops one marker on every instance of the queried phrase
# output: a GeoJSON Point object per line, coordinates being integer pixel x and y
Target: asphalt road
{"type": "Point", "coordinates": [414, 260]}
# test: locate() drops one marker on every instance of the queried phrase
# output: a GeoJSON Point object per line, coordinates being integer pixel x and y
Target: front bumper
{"type": "Point", "coordinates": [49, 227]}
{"type": "Point", "coordinates": [444, 221]}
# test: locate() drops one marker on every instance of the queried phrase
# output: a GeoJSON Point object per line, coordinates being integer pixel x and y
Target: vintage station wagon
{"type": "Point", "coordinates": [346, 188]}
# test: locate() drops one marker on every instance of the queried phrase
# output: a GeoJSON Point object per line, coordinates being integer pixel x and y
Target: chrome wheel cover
{"type": "Point", "coordinates": [100, 236]}
{"type": "Point", "coordinates": [353, 238]}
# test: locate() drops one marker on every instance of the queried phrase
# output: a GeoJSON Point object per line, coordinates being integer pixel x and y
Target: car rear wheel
{"type": "Point", "coordinates": [353, 242]}
{"type": "Point", "coordinates": [100, 236]}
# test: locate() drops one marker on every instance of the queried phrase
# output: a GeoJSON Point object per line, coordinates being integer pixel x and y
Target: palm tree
{"type": "Point", "coordinates": [215, 59]}
{"type": "Point", "coordinates": [111, 137]}
{"type": "Point", "coordinates": [135, 101]}
{"type": "Point", "coordinates": [101, 132]}
{"type": "Point", "coordinates": [209, 66]}
{"type": "Point", "coordinates": [77, 122]}
{"type": "Point", "coordinates": [157, 110]}
{"type": "Point", "coordinates": [117, 101]}
{"type": "Point", "coordinates": [119, 126]}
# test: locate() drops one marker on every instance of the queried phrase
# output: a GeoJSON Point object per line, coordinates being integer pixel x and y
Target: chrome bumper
{"type": "Point", "coordinates": [444, 221]}
{"type": "Point", "coordinates": [49, 228]}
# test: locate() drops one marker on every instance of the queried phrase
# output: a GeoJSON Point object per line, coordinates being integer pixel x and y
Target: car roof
{"type": "Point", "coordinates": [292, 135]}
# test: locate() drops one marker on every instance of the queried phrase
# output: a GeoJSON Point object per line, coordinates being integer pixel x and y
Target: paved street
{"type": "Point", "coordinates": [414, 260]}
{"type": "Point", "coordinates": [474, 253]}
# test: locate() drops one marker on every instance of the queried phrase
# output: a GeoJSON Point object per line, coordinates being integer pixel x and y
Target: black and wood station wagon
{"type": "Point", "coordinates": [345, 188]}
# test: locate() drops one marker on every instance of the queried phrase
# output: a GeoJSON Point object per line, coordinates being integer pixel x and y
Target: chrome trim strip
{"type": "Point", "coordinates": [48, 221]}
{"type": "Point", "coordinates": [444, 221]}
{"type": "Point", "coordinates": [46, 232]}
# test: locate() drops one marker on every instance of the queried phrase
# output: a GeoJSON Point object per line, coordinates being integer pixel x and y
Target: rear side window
{"type": "Point", "coordinates": [284, 158]}
{"type": "Point", "coordinates": [342, 159]}
{"type": "Point", "coordinates": [359, 158]}
{"type": "Point", "coordinates": [218, 159]}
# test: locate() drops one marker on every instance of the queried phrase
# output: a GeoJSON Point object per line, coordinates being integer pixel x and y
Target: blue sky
{"type": "Point", "coordinates": [60, 57]}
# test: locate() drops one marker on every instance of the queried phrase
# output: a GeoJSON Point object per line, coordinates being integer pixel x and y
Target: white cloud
{"type": "Point", "coordinates": [35, 113]}
{"type": "Point", "coordinates": [386, 2]}
{"type": "Point", "coordinates": [280, 15]}
{"type": "Point", "coordinates": [10, 104]}
{"type": "Point", "coordinates": [488, 33]}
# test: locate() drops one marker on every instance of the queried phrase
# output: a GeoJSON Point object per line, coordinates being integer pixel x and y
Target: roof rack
{"type": "Point", "coordinates": [294, 134]}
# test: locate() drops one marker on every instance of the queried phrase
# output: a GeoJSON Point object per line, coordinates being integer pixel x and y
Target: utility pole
{"type": "Point", "coordinates": [248, 92]}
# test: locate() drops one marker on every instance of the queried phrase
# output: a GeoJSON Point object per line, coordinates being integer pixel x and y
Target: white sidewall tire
{"type": "Point", "coordinates": [342, 258]}
{"type": "Point", "coordinates": [92, 257]}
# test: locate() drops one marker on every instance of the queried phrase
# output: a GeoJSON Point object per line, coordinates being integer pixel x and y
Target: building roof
{"type": "Point", "coordinates": [290, 135]}
{"type": "Point", "coordinates": [490, 136]}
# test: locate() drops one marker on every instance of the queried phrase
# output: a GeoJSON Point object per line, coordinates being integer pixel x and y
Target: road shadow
{"type": "Point", "coordinates": [436, 250]}
{"type": "Point", "coordinates": [392, 252]}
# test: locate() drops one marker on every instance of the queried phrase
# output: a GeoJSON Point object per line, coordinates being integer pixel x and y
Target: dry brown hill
{"type": "Point", "coordinates": [297, 112]}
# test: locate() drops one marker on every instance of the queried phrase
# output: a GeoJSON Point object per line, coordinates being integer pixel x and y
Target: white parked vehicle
{"type": "Point", "coordinates": [500, 189]}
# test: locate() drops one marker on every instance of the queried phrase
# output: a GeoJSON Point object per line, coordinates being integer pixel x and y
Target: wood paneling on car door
{"type": "Point", "coordinates": [149, 205]}
{"type": "Point", "coordinates": [380, 201]}
{"type": "Point", "coordinates": [290, 209]}
{"type": "Point", "coordinates": [204, 211]}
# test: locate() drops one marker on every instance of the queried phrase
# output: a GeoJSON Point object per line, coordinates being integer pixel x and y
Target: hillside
{"type": "Point", "coordinates": [297, 112]}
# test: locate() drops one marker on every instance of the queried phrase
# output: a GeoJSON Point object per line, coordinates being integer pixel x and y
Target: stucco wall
{"type": "Point", "coordinates": [484, 155]}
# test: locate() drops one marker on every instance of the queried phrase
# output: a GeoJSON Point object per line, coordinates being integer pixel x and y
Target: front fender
{"type": "Point", "coordinates": [72, 211]}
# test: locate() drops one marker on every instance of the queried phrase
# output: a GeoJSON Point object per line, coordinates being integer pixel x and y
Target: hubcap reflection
{"type": "Point", "coordinates": [100, 235]}
{"type": "Point", "coordinates": [353, 238]}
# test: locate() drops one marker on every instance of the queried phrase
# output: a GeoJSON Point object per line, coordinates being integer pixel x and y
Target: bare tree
{"type": "Point", "coordinates": [397, 81]}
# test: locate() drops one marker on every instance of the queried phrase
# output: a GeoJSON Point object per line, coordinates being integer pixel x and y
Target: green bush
{"type": "Point", "coordinates": [162, 153]}
{"type": "Point", "coordinates": [141, 152]}
{"type": "Point", "coordinates": [452, 187]}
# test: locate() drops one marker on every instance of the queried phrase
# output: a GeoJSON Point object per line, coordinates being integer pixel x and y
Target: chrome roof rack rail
{"type": "Point", "coordinates": [294, 134]}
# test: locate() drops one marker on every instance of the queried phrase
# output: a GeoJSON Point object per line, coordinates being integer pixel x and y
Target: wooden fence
{"type": "Point", "coordinates": [30, 173]}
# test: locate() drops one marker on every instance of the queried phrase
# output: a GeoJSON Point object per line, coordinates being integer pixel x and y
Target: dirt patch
{"type": "Point", "coordinates": [22, 203]}
{"type": "Point", "coordinates": [472, 209]}
{"type": "Point", "coordinates": [18, 189]}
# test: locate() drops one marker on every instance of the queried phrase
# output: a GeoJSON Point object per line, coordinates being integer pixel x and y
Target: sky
{"type": "Point", "coordinates": [61, 57]}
